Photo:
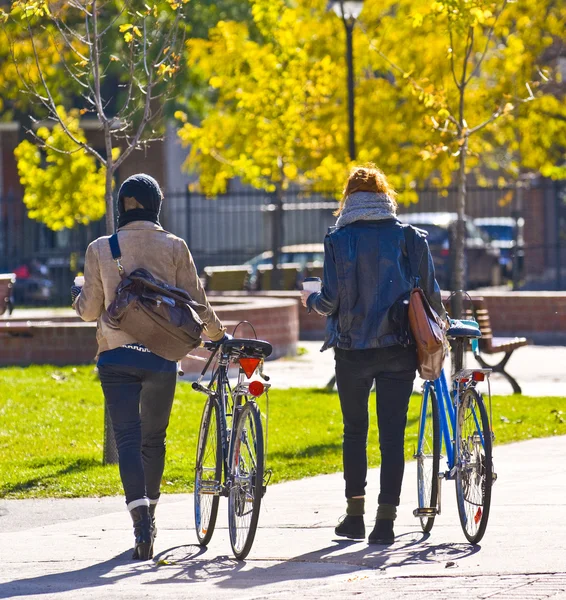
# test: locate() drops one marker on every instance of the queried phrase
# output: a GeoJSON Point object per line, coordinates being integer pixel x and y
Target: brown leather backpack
{"type": "Point", "coordinates": [160, 316]}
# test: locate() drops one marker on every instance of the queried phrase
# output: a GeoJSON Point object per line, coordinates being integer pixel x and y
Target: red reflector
{"type": "Point", "coordinates": [478, 515]}
{"type": "Point", "coordinates": [256, 388]}
{"type": "Point", "coordinates": [478, 376]}
{"type": "Point", "coordinates": [249, 365]}
{"type": "Point", "coordinates": [464, 381]}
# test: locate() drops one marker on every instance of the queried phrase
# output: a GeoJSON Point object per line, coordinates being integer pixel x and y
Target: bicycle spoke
{"type": "Point", "coordinates": [207, 473]}
{"type": "Point", "coordinates": [474, 474]}
{"type": "Point", "coordinates": [246, 485]}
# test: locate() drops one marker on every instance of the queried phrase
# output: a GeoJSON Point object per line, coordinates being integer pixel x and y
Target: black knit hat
{"type": "Point", "coordinates": [144, 189]}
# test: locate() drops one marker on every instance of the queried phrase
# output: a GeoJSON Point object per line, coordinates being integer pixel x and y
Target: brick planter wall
{"type": "Point", "coordinates": [538, 316]}
{"type": "Point", "coordinates": [68, 340]}
{"type": "Point", "coordinates": [42, 342]}
{"type": "Point", "coordinates": [311, 326]}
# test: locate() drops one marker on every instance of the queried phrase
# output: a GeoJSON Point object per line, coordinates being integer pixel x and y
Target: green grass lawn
{"type": "Point", "coordinates": [51, 432]}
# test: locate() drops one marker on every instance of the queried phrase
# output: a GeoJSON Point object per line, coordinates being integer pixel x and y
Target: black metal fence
{"type": "Point", "coordinates": [26, 242]}
{"type": "Point", "coordinates": [235, 227]}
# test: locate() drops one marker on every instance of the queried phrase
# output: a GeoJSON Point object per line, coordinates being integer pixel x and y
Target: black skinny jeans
{"type": "Point", "coordinates": [393, 370]}
{"type": "Point", "coordinates": [139, 402]}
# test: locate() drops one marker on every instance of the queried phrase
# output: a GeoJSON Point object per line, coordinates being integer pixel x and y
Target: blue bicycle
{"type": "Point", "coordinates": [455, 418]}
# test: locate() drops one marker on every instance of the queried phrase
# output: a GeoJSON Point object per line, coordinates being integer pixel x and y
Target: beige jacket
{"type": "Point", "coordinates": [143, 245]}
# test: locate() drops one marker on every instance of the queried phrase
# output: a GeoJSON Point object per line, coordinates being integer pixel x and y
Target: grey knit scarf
{"type": "Point", "coordinates": [366, 206]}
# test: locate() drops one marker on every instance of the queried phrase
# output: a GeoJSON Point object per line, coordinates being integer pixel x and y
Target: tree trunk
{"type": "Point", "coordinates": [109, 199]}
{"type": "Point", "coordinates": [110, 451]}
{"type": "Point", "coordinates": [458, 272]}
{"type": "Point", "coordinates": [277, 238]}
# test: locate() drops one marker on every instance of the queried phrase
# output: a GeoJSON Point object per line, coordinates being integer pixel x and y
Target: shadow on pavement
{"type": "Point", "coordinates": [99, 575]}
{"type": "Point", "coordinates": [341, 557]}
{"type": "Point", "coordinates": [187, 563]}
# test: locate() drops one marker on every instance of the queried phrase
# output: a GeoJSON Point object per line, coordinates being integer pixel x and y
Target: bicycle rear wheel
{"type": "Point", "coordinates": [208, 472]}
{"type": "Point", "coordinates": [428, 458]}
{"type": "Point", "coordinates": [474, 474]}
{"type": "Point", "coordinates": [246, 480]}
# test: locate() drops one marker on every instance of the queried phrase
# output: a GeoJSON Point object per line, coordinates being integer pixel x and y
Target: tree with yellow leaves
{"type": "Point", "coordinates": [271, 122]}
{"type": "Point", "coordinates": [146, 52]}
{"type": "Point", "coordinates": [475, 66]}
{"type": "Point", "coordinates": [69, 189]}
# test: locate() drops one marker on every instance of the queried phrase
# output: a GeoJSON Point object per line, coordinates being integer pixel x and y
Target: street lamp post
{"type": "Point", "coordinates": [349, 11]}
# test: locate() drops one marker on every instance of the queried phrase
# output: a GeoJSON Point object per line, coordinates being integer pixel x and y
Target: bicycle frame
{"type": "Point", "coordinates": [447, 402]}
{"type": "Point", "coordinates": [446, 416]}
{"type": "Point", "coordinates": [229, 400]}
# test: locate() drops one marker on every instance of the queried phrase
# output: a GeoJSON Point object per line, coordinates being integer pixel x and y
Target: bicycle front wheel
{"type": "Point", "coordinates": [208, 472]}
{"type": "Point", "coordinates": [246, 480]}
{"type": "Point", "coordinates": [428, 458]}
{"type": "Point", "coordinates": [474, 473]}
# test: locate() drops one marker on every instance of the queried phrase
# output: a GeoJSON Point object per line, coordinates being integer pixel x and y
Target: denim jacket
{"type": "Point", "coordinates": [366, 284]}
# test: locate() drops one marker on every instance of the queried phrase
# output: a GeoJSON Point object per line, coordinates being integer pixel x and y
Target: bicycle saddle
{"type": "Point", "coordinates": [250, 347]}
{"type": "Point", "coordinates": [463, 329]}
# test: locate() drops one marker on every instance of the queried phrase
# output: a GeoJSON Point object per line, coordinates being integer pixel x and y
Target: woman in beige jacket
{"type": "Point", "coordinates": [138, 385]}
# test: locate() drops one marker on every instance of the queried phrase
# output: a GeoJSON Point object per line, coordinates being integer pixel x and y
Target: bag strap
{"type": "Point", "coordinates": [116, 253]}
{"type": "Point", "coordinates": [410, 239]}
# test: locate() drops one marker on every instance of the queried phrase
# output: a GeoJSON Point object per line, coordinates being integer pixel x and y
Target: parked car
{"type": "Point", "coordinates": [481, 257]}
{"type": "Point", "coordinates": [301, 255]}
{"type": "Point", "coordinates": [33, 284]}
{"type": "Point", "coordinates": [506, 233]}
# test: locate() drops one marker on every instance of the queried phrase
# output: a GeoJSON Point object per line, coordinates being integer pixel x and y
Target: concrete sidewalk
{"type": "Point", "coordinates": [57, 549]}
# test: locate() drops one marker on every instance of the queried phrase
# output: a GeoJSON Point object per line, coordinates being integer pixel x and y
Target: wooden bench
{"type": "Point", "coordinates": [488, 344]}
{"type": "Point", "coordinates": [7, 281]}
{"type": "Point", "coordinates": [226, 278]}
{"type": "Point", "coordinates": [289, 276]}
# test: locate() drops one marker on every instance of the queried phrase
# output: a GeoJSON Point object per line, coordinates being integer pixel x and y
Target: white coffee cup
{"type": "Point", "coordinates": [312, 284]}
{"type": "Point", "coordinates": [79, 280]}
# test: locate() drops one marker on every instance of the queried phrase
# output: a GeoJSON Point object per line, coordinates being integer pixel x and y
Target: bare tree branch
{"type": "Point", "coordinates": [95, 57]}
{"type": "Point", "coordinates": [43, 144]}
{"type": "Point", "coordinates": [51, 103]}
{"type": "Point", "coordinates": [487, 42]}
{"type": "Point", "coordinates": [141, 126]}
{"type": "Point", "coordinates": [452, 65]}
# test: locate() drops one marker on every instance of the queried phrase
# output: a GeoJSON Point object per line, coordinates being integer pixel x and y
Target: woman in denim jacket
{"type": "Point", "coordinates": [366, 284]}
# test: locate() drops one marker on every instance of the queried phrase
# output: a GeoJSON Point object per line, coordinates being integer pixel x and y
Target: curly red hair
{"type": "Point", "coordinates": [367, 178]}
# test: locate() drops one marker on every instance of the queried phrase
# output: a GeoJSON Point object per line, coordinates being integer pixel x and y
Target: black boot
{"type": "Point", "coordinates": [351, 527]}
{"type": "Point", "coordinates": [152, 517]}
{"type": "Point", "coordinates": [143, 548]}
{"type": "Point", "coordinates": [382, 532]}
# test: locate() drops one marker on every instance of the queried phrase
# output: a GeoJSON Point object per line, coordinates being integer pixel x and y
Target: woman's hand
{"type": "Point", "coordinates": [304, 297]}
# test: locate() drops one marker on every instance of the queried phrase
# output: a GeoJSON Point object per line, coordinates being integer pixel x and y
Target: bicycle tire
{"type": "Point", "coordinates": [428, 460]}
{"type": "Point", "coordinates": [246, 480]}
{"type": "Point", "coordinates": [208, 472]}
{"type": "Point", "coordinates": [474, 473]}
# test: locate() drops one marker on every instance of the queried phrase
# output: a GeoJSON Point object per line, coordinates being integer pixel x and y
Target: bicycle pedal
{"type": "Point", "coordinates": [425, 512]}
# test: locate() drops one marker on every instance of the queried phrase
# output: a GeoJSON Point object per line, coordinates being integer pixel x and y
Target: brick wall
{"type": "Point", "coordinates": [28, 342]}
{"type": "Point", "coordinates": [67, 340]}
{"type": "Point", "coordinates": [539, 316]}
{"type": "Point", "coordinates": [311, 326]}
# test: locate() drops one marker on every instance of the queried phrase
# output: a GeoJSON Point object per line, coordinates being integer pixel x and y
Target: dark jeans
{"type": "Point", "coordinates": [393, 370]}
{"type": "Point", "coordinates": [139, 402]}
